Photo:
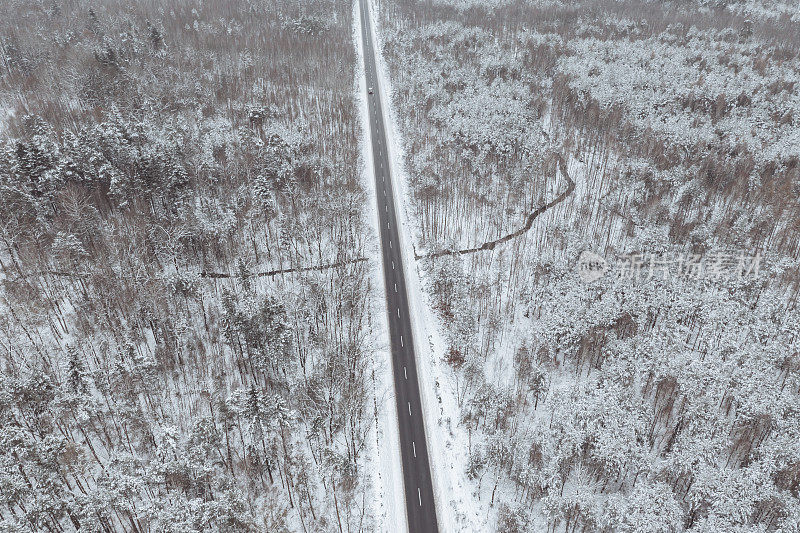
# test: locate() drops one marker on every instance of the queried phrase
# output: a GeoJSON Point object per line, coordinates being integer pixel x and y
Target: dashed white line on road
{"type": "Point", "coordinates": [405, 373]}
{"type": "Point", "coordinates": [390, 244]}
{"type": "Point", "coordinates": [414, 445]}
{"type": "Point", "coordinates": [398, 312]}
{"type": "Point", "coordinates": [395, 287]}
{"type": "Point", "coordinates": [409, 408]}
{"type": "Point", "coordinates": [419, 495]}
{"type": "Point", "coordinates": [392, 265]}
{"type": "Point", "coordinates": [401, 337]}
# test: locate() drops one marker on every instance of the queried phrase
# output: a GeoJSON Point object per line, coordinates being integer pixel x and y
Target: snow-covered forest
{"type": "Point", "coordinates": [185, 343]}
{"type": "Point", "coordinates": [603, 196]}
{"type": "Point", "coordinates": [664, 137]}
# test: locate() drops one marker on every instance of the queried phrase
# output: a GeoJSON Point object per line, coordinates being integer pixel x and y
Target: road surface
{"type": "Point", "coordinates": [420, 507]}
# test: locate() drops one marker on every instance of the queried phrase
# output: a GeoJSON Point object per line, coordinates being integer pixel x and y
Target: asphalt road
{"type": "Point", "coordinates": [420, 507]}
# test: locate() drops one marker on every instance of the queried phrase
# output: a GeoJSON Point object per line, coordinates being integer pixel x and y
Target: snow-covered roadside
{"type": "Point", "coordinates": [385, 461]}
{"type": "Point", "coordinates": [458, 508]}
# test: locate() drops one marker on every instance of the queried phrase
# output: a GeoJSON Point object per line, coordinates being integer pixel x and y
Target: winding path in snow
{"type": "Point", "coordinates": [533, 215]}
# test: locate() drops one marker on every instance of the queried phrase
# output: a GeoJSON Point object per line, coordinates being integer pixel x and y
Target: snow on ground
{"type": "Point", "coordinates": [386, 462]}
{"type": "Point", "coordinates": [458, 508]}
{"type": "Point", "coordinates": [6, 113]}
{"type": "Point", "coordinates": [767, 9]}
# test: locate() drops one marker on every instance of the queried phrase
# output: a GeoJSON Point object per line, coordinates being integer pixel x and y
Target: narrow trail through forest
{"type": "Point", "coordinates": [269, 273]}
{"type": "Point", "coordinates": [533, 215]}
{"type": "Point", "coordinates": [226, 275]}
